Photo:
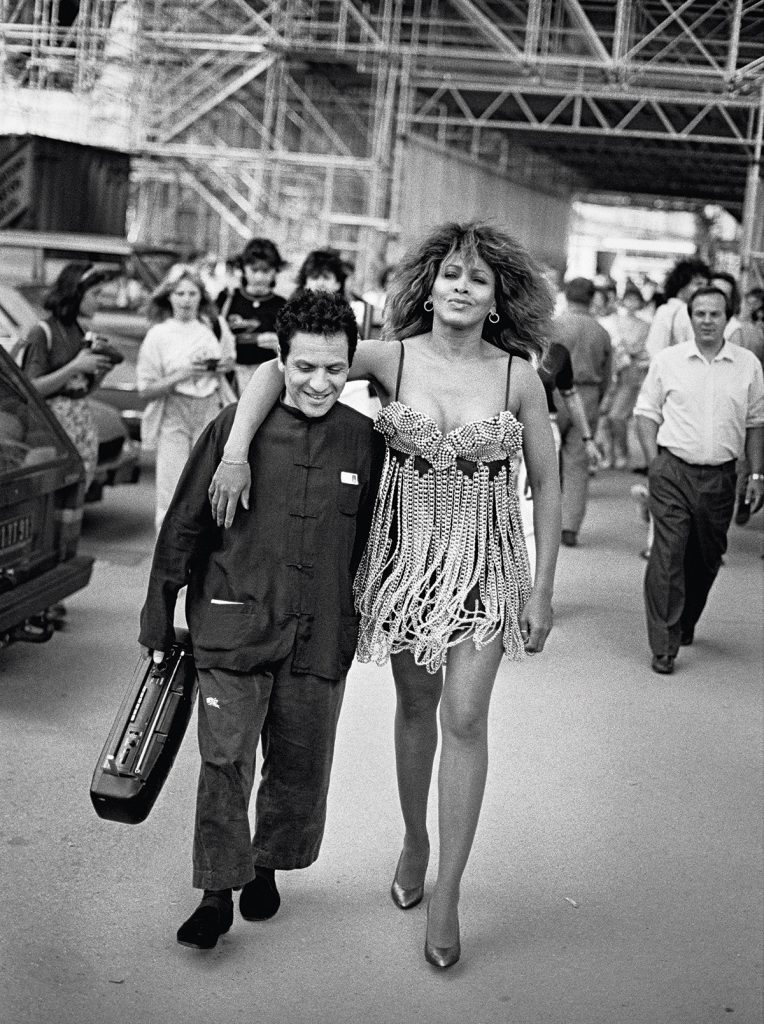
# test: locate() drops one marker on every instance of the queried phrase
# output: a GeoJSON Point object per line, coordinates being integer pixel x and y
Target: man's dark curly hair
{"type": "Point", "coordinates": [316, 313]}
{"type": "Point", "coordinates": [523, 298]}
{"type": "Point", "coordinates": [681, 275]}
{"type": "Point", "coordinates": [323, 261]}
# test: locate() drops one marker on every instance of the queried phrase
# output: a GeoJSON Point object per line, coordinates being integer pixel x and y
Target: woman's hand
{"type": "Point", "coordinates": [535, 622]}
{"type": "Point", "coordinates": [90, 362]}
{"type": "Point", "coordinates": [230, 484]}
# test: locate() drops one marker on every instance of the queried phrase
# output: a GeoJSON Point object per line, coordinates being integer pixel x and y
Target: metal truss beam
{"type": "Point", "coordinates": [486, 27]}
{"type": "Point", "coordinates": [588, 112]}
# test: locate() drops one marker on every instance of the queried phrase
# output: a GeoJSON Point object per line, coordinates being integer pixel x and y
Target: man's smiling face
{"type": "Point", "coordinates": [315, 371]}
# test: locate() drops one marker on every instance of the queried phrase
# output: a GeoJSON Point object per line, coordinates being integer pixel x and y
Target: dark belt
{"type": "Point", "coordinates": [722, 467]}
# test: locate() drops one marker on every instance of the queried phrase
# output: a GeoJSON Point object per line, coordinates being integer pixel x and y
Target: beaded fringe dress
{"type": "Point", "coordinates": [446, 556]}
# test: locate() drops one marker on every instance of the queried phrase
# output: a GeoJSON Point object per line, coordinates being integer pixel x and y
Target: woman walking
{"type": "Point", "coordinates": [250, 310]}
{"type": "Point", "coordinates": [181, 371]}
{"type": "Point", "coordinates": [444, 586]}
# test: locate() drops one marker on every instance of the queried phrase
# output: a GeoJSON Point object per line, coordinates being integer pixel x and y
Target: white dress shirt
{"type": "Point", "coordinates": [703, 408]}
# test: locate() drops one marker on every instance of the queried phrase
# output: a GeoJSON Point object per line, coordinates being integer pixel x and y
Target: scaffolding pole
{"type": "Point", "coordinates": [751, 256]}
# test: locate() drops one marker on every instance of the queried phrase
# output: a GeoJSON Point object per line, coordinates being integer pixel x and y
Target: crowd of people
{"type": "Point", "coordinates": [306, 536]}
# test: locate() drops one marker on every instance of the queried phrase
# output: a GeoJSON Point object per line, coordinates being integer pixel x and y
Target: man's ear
{"type": "Point", "coordinates": [279, 361]}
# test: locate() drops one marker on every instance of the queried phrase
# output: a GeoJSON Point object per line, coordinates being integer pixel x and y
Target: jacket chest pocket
{"type": "Point", "coordinates": [348, 496]}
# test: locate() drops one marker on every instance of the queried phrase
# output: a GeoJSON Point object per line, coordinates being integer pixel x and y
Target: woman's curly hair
{"type": "Point", "coordinates": [522, 295]}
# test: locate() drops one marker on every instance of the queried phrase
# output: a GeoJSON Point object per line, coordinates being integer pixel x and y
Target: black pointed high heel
{"type": "Point", "coordinates": [441, 956]}
{"type": "Point", "coordinates": [406, 898]}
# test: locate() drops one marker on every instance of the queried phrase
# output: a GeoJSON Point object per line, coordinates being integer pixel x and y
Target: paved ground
{"type": "Point", "coordinates": [616, 877]}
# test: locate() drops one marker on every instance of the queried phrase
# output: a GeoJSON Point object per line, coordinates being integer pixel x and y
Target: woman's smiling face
{"type": "Point", "coordinates": [464, 292]}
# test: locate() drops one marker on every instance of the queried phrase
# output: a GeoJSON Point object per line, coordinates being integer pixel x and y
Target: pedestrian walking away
{"type": "Point", "coordinates": [591, 352]}
{"type": "Point", "coordinates": [701, 405]}
{"type": "Point", "coordinates": [271, 616]}
{"type": "Point", "coordinates": [444, 586]}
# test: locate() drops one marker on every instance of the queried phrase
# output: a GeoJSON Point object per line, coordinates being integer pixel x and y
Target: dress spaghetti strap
{"type": "Point", "coordinates": [400, 374]}
{"type": "Point", "coordinates": [509, 368]}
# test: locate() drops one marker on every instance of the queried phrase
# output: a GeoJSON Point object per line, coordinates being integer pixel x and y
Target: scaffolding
{"type": "Point", "coordinates": [289, 117]}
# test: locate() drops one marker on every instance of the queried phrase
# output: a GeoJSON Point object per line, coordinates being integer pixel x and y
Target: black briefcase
{"type": "Point", "coordinates": [146, 735]}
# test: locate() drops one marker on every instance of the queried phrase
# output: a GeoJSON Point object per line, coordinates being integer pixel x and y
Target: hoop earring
{"type": "Point", "coordinates": [428, 305]}
{"type": "Point", "coordinates": [494, 317]}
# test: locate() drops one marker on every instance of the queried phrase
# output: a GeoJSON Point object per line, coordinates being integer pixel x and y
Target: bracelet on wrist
{"type": "Point", "coordinates": [757, 476]}
{"type": "Point", "coordinates": [233, 462]}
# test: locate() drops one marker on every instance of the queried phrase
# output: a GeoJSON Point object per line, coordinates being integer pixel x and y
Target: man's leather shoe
{"type": "Point", "coordinates": [211, 919]}
{"type": "Point", "coordinates": [663, 664]}
{"type": "Point", "coordinates": [687, 637]}
{"type": "Point", "coordinates": [259, 899]}
{"type": "Point", "coordinates": [569, 538]}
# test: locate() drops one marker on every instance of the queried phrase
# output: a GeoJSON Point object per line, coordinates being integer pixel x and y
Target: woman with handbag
{"type": "Point", "coordinates": [56, 355]}
{"type": "Point", "coordinates": [181, 370]}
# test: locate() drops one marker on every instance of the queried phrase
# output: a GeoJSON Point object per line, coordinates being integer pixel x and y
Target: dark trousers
{"type": "Point", "coordinates": [296, 716]}
{"type": "Point", "coordinates": [691, 508]}
{"type": "Point", "coordinates": [574, 460]}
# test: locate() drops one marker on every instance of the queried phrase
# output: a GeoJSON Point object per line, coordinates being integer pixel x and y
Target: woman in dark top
{"type": "Point", "coordinates": [250, 311]}
{"type": "Point", "coordinates": [556, 372]}
{"type": "Point", "coordinates": [62, 366]}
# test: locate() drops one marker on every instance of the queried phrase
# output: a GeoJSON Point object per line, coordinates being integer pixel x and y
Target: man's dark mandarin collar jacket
{"type": "Point", "coordinates": [280, 578]}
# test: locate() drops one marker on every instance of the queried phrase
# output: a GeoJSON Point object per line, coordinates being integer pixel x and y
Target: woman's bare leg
{"type": "Point", "coordinates": [416, 739]}
{"type": "Point", "coordinates": [470, 676]}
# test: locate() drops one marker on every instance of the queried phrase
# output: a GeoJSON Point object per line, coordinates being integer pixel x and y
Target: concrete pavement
{"type": "Point", "coordinates": [616, 877]}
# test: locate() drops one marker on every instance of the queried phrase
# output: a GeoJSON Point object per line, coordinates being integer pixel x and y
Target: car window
{"type": "Point", "coordinates": [26, 437]}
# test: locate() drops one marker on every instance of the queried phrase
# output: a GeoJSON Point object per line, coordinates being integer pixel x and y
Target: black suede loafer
{"type": "Point", "coordinates": [210, 920]}
{"type": "Point", "coordinates": [259, 899]}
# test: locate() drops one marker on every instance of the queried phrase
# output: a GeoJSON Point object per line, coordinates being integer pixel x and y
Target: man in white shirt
{"type": "Point", "coordinates": [701, 405]}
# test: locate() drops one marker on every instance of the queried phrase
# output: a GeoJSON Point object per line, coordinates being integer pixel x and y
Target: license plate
{"type": "Point", "coordinates": [16, 533]}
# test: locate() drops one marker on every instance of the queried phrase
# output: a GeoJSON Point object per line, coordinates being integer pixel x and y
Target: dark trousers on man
{"type": "Point", "coordinates": [296, 716]}
{"type": "Point", "coordinates": [691, 508]}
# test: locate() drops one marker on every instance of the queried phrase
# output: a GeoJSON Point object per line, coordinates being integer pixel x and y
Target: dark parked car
{"type": "Point", "coordinates": [118, 453]}
{"type": "Point", "coordinates": [41, 498]}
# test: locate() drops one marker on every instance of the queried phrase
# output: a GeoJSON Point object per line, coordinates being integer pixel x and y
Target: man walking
{"type": "Point", "coordinates": [701, 405]}
{"type": "Point", "coordinates": [591, 353]}
{"type": "Point", "coordinates": [271, 616]}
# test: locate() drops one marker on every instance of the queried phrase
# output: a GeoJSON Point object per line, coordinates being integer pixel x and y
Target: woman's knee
{"type": "Point", "coordinates": [465, 724]}
{"type": "Point", "coordinates": [418, 704]}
